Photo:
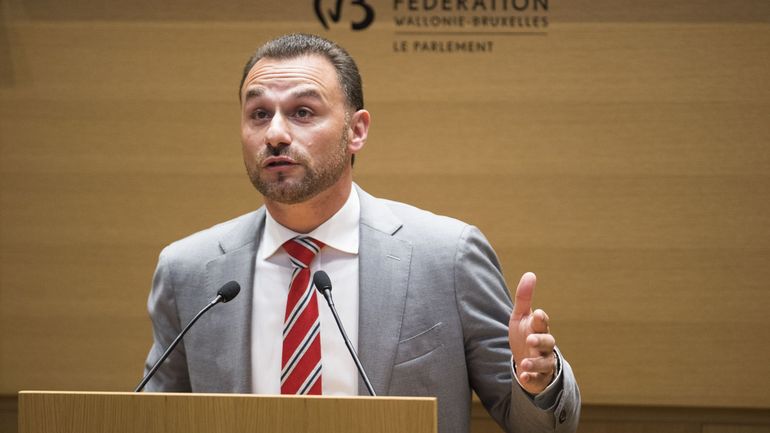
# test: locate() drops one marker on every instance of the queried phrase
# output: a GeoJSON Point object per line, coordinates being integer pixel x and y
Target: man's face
{"type": "Point", "coordinates": [294, 128]}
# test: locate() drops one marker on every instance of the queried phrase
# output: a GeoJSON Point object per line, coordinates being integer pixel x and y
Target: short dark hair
{"type": "Point", "coordinates": [298, 44]}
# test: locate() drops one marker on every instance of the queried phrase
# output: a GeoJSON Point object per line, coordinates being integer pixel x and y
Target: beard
{"type": "Point", "coordinates": [326, 171]}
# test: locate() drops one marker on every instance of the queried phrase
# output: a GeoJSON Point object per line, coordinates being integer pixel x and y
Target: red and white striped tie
{"type": "Point", "coordinates": [301, 356]}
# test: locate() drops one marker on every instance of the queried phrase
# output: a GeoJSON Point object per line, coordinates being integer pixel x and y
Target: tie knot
{"type": "Point", "coordinates": [302, 249]}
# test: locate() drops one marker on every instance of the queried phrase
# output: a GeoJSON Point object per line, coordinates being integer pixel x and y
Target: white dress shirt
{"type": "Point", "coordinates": [339, 258]}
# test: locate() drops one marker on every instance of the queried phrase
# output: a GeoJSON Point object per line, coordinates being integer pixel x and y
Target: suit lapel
{"type": "Point", "coordinates": [384, 263]}
{"type": "Point", "coordinates": [233, 342]}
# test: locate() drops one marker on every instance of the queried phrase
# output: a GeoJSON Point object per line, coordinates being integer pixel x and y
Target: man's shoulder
{"type": "Point", "coordinates": [435, 237]}
{"type": "Point", "coordinates": [416, 215]}
{"type": "Point", "coordinates": [209, 242]}
{"type": "Point", "coordinates": [419, 224]}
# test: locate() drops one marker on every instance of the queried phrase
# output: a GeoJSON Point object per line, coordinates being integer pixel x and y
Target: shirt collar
{"type": "Point", "coordinates": [339, 232]}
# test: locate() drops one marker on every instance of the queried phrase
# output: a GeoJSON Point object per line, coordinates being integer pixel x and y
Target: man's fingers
{"type": "Point", "coordinates": [526, 378]}
{"type": "Point", "coordinates": [535, 383]}
{"type": "Point", "coordinates": [540, 322]}
{"type": "Point", "coordinates": [524, 291]}
{"type": "Point", "coordinates": [542, 364]}
{"type": "Point", "coordinates": [541, 344]}
{"type": "Point", "coordinates": [535, 374]}
{"type": "Point", "coordinates": [530, 339]}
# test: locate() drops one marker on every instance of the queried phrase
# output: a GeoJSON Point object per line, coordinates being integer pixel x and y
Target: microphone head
{"type": "Point", "coordinates": [229, 291]}
{"type": "Point", "coordinates": [322, 281]}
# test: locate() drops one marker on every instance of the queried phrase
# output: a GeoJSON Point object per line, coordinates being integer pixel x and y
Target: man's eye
{"type": "Point", "coordinates": [302, 112]}
{"type": "Point", "coordinates": [260, 114]}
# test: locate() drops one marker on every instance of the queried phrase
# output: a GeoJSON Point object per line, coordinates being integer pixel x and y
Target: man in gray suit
{"type": "Point", "coordinates": [422, 295]}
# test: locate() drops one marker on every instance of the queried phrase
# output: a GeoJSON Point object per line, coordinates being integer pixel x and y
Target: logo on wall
{"type": "Point", "coordinates": [335, 14]}
{"type": "Point", "coordinates": [444, 26]}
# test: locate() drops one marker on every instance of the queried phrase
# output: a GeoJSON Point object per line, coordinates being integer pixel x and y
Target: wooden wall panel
{"type": "Point", "coordinates": [650, 419]}
{"type": "Point", "coordinates": [622, 156]}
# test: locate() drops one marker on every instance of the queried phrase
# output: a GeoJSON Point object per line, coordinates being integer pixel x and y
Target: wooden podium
{"type": "Point", "coordinates": [123, 412]}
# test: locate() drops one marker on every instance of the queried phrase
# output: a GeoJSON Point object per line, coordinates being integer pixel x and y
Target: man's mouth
{"type": "Point", "coordinates": [278, 161]}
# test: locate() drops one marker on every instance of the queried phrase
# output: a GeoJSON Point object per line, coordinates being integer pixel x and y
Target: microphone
{"type": "Point", "coordinates": [324, 285]}
{"type": "Point", "coordinates": [226, 293]}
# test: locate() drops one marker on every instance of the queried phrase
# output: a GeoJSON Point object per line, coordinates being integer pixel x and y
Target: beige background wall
{"type": "Point", "coordinates": [622, 155]}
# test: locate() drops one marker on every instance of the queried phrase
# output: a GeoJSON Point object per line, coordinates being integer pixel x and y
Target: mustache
{"type": "Point", "coordinates": [288, 151]}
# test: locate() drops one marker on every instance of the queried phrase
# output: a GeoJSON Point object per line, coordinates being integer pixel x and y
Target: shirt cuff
{"type": "Point", "coordinates": [546, 399]}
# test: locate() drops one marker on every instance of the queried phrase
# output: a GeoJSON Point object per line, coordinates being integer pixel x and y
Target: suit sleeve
{"type": "Point", "coordinates": [172, 376]}
{"type": "Point", "coordinates": [485, 307]}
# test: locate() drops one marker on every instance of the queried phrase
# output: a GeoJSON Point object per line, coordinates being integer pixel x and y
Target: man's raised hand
{"type": "Point", "coordinates": [532, 345]}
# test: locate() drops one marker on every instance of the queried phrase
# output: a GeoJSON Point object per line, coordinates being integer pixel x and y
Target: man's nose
{"type": "Point", "coordinates": [278, 134]}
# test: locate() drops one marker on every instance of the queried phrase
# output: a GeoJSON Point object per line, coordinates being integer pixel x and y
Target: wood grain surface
{"type": "Point", "coordinates": [67, 412]}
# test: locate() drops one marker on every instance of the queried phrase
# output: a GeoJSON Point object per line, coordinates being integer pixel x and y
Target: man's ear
{"type": "Point", "coordinates": [359, 130]}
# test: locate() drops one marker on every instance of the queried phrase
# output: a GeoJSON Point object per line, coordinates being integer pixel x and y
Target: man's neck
{"type": "Point", "coordinates": [307, 216]}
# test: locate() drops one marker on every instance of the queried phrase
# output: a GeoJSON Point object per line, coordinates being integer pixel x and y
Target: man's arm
{"type": "Point", "coordinates": [485, 308]}
{"type": "Point", "coordinates": [172, 375]}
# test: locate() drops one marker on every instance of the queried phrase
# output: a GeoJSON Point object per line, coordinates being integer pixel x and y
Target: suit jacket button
{"type": "Point", "coordinates": [562, 416]}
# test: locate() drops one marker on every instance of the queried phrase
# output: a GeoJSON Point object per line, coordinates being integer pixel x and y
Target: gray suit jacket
{"type": "Point", "coordinates": [434, 311]}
